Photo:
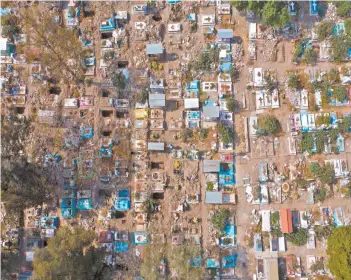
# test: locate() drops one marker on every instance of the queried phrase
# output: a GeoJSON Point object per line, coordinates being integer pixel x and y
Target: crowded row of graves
{"type": "Point", "coordinates": [290, 220]}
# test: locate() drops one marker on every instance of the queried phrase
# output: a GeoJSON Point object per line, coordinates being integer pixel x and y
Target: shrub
{"type": "Point", "coordinates": [203, 133]}
{"type": "Point", "coordinates": [301, 183]}
{"type": "Point", "coordinates": [210, 186]}
{"type": "Point", "coordinates": [219, 219]}
{"type": "Point", "coordinates": [320, 194]}
{"type": "Point", "coordinates": [275, 222]}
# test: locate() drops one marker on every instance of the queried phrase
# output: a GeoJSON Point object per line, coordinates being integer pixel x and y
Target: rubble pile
{"type": "Point", "coordinates": [330, 14]}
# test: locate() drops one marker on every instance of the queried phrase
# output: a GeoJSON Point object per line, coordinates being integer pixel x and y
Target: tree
{"type": "Point", "coordinates": [307, 142]}
{"type": "Point", "coordinates": [14, 134]}
{"type": "Point", "coordinates": [339, 253]}
{"type": "Point", "coordinates": [71, 254]}
{"type": "Point", "coordinates": [207, 59]}
{"type": "Point", "coordinates": [144, 95]}
{"type": "Point", "coordinates": [339, 48]}
{"type": "Point", "coordinates": [320, 137]}
{"type": "Point", "coordinates": [347, 23]}
{"type": "Point", "coordinates": [323, 232]}
{"type": "Point", "coordinates": [62, 52]}
{"type": "Point", "coordinates": [241, 6]}
{"type": "Point", "coordinates": [10, 28]}
{"type": "Point", "coordinates": [284, 17]}
{"type": "Point", "coordinates": [270, 83]}
{"type": "Point", "coordinates": [269, 124]}
{"type": "Point", "coordinates": [108, 56]}
{"type": "Point", "coordinates": [180, 258]}
{"type": "Point", "coordinates": [340, 93]}
{"type": "Point", "coordinates": [298, 237]}
{"type": "Point", "coordinates": [317, 266]}
{"type": "Point", "coordinates": [269, 13]}
{"type": "Point", "coordinates": [231, 105]}
{"type": "Point", "coordinates": [320, 194]}
{"type": "Point", "coordinates": [310, 56]}
{"type": "Point", "coordinates": [119, 80]}
{"type": "Point", "coordinates": [225, 133]}
{"type": "Point", "coordinates": [275, 14]}
{"type": "Point", "coordinates": [333, 75]}
{"type": "Point", "coordinates": [219, 219]}
{"type": "Point", "coordinates": [294, 81]}
{"type": "Point", "coordinates": [234, 74]}
{"type": "Point", "coordinates": [149, 205]}
{"type": "Point", "coordinates": [203, 133]}
{"type": "Point", "coordinates": [325, 30]}
{"type": "Point", "coordinates": [153, 256]}
{"type": "Point", "coordinates": [343, 8]}
{"type": "Point", "coordinates": [327, 174]}
{"type": "Point", "coordinates": [346, 124]}
{"type": "Point", "coordinates": [25, 185]}
{"type": "Point", "coordinates": [315, 168]}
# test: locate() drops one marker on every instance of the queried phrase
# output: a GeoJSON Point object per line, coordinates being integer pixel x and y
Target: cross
{"type": "Point", "coordinates": [314, 4]}
{"type": "Point", "coordinates": [292, 4]}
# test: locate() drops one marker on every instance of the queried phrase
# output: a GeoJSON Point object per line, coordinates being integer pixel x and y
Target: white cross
{"type": "Point", "coordinates": [314, 5]}
{"type": "Point", "coordinates": [292, 4]}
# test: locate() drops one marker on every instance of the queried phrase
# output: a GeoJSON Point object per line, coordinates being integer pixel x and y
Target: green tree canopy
{"type": "Point", "coordinates": [339, 253]}
{"type": "Point", "coordinates": [71, 254]}
{"type": "Point", "coordinates": [310, 56]}
{"type": "Point", "coordinates": [225, 133]}
{"type": "Point", "coordinates": [325, 30]}
{"type": "Point", "coordinates": [119, 80]}
{"type": "Point", "coordinates": [343, 8]}
{"type": "Point", "coordinates": [339, 47]}
{"type": "Point", "coordinates": [340, 93]}
{"type": "Point", "coordinates": [327, 174]}
{"type": "Point", "coordinates": [298, 237]}
{"type": "Point", "coordinates": [307, 142]}
{"type": "Point", "coordinates": [294, 81]}
{"type": "Point", "coordinates": [62, 51]}
{"type": "Point", "coordinates": [269, 124]}
{"type": "Point", "coordinates": [348, 27]}
{"type": "Point", "coordinates": [275, 14]}
{"type": "Point", "coordinates": [333, 75]}
{"type": "Point", "coordinates": [10, 26]}
{"type": "Point", "coordinates": [231, 104]}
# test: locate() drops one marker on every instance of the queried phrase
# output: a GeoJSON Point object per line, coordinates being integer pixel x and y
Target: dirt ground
{"type": "Point", "coordinates": [177, 188]}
